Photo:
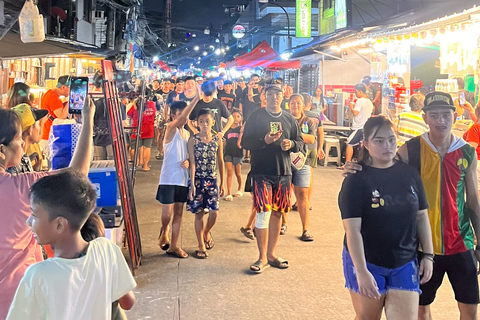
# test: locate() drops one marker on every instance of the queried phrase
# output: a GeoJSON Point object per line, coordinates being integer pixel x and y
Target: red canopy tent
{"type": "Point", "coordinates": [263, 56]}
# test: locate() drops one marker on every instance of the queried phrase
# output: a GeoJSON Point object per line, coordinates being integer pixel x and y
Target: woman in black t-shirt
{"type": "Point", "coordinates": [384, 212]}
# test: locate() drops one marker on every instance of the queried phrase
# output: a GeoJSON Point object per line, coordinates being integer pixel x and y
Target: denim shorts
{"type": "Point", "coordinates": [404, 278]}
{"type": "Point", "coordinates": [301, 178]}
{"type": "Point", "coordinates": [232, 159]}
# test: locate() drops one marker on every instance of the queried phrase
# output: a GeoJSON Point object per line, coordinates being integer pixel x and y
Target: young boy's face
{"type": "Point", "coordinates": [43, 229]}
{"type": "Point", "coordinates": [205, 122]}
{"type": "Point", "coordinates": [228, 87]}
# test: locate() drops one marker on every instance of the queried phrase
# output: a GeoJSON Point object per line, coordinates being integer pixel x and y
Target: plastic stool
{"type": "Point", "coordinates": [335, 143]}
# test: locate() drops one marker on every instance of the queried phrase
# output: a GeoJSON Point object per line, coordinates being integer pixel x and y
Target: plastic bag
{"type": "Point", "coordinates": [31, 23]}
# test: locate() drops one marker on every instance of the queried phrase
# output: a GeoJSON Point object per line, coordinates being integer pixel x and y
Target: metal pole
{"type": "Point", "coordinates": [289, 39]}
{"type": "Point", "coordinates": [323, 74]}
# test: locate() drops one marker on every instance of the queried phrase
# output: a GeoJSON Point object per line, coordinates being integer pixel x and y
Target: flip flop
{"type": "Point", "coordinates": [238, 194]}
{"type": "Point", "coordinates": [259, 266]}
{"type": "Point", "coordinates": [200, 254]}
{"type": "Point", "coordinates": [283, 229]}
{"type": "Point", "coordinates": [164, 246]}
{"type": "Point", "coordinates": [177, 255]}
{"type": "Point", "coordinates": [247, 232]}
{"type": "Point", "coordinates": [146, 169]}
{"type": "Point", "coordinates": [306, 236]}
{"type": "Point", "coordinates": [279, 263]}
{"type": "Point", "coordinates": [209, 244]}
{"type": "Point", "coordinates": [229, 198]}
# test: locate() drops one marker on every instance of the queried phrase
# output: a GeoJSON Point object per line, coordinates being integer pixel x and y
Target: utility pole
{"type": "Point", "coordinates": [168, 16]}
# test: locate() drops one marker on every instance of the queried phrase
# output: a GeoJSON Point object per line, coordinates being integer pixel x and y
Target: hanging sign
{"type": "Point", "coordinates": [238, 31]}
{"type": "Point", "coordinates": [303, 19]}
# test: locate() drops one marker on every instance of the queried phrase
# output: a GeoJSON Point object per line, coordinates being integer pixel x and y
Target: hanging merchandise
{"type": "Point", "coordinates": [31, 23]}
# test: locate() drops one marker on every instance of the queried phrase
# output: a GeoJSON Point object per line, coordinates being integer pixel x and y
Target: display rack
{"type": "Point", "coordinates": [125, 180]}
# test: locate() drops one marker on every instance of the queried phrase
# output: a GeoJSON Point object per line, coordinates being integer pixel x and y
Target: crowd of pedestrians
{"type": "Point", "coordinates": [409, 203]}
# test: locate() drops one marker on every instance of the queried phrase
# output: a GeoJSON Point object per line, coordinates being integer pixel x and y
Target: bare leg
{"type": "Point", "coordinates": [284, 218]}
{"type": "Point", "coordinates": [229, 177]}
{"type": "Point", "coordinates": [251, 218]}
{"type": "Point", "coordinates": [310, 189]}
{"type": "Point", "coordinates": [273, 234]}
{"type": "Point", "coordinates": [147, 152]}
{"type": "Point", "coordinates": [424, 313]}
{"type": "Point", "coordinates": [349, 153]}
{"type": "Point", "coordinates": [401, 305]}
{"type": "Point", "coordinates": [167, 210]}
{"type": "Point", "coordinates": [176, 225]}
{"type": "Point", "coordinates": [212, 218]}
{"type": "Point", "coordinates": [302, 203]}
{"type": "Point", "coordinates": [366, 308]}
{"type": "Point", "coordinates": [262, 242]}
{"type": "Point", "coordinates": [238, 173]}
{"type": "Point", "coordinates": [140, 156]}
{"type": "Point", "coordinates": [199, 230]}
{"type": "Point", "coordinates": [467, 311]}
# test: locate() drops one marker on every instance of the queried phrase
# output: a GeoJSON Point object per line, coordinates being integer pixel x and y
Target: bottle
{"type": "Point", "coordinates": [305, 127]}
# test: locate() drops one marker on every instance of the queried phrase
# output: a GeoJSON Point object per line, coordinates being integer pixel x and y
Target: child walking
{"type": "Point", "coordinates": [205, 152]}
{"type": "Point", "coordinates": [234, 154]}
{"type": "Point", "coordinates": [94, 273]}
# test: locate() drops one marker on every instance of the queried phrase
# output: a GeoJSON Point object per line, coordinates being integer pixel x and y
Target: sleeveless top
{"type": "Point", "coordinates": [174, 153]}
{"type": "Point", "coordinates": [205, 157]}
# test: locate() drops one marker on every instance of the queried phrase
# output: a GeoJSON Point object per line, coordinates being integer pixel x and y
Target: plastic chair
{"type": "Point", "coordinates": [329, 144]}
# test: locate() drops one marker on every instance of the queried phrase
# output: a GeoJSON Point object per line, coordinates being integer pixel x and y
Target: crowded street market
{"type": "Point", "coordinates": [236, 159]}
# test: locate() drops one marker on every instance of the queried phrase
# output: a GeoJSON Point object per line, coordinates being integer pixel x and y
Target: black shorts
{"type": "Point", "coordinates": [249, 183]}
{"type": "Point", "coordinates": [461, 269]}
{"type": "Point", "coordinates": [168, 194]}
{"type": "Point", "coordinates": [271, 193]}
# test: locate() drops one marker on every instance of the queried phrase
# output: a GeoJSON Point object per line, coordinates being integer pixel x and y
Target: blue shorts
{"type": "Point", "coordinates": [355, 137]}
{"type": "Point", "coordinates": [206, 196]}
{"type": "Point", "coordinates": [301, 178]}
{"type": "Point", "coordinates": [232, 159]}
{"type": "Point", "coordinates": [404, 278]}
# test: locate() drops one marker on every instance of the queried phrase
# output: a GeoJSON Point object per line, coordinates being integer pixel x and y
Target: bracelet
{"type": "Point", "coordinates": [429, 256]}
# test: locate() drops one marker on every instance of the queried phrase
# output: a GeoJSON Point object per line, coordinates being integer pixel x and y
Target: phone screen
{"type": "Point", "coordinates": [275, 127]}
{"type": "Point", "coordinates": [461, 98]}
{"type": "Point", "coordinates": [78, 94]}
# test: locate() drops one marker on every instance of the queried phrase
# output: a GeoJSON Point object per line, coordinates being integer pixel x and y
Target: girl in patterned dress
{"type": "Point", "coordinates": [205, 152]}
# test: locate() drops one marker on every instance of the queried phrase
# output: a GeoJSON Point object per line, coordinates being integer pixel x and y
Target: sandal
{"type": "Point", "coordinates": [306, 236]}
{"type": "Point", "coordinates": [247, 232]}
{"type": "Point", "coordinates": [283, 229]}
{"type": "Point", "coordinates": [229, 198]}
{"type": "Point", "coordinates": [279, 263]}
{"type": "Point", "coordinates": [259, 266]}
{"type": "Point", "coordinates": [209, 244]}
{"type": "Point", "coordinates": [164, 246]}
{"type": "Point", "coordinates": [239, 193]}
{"type": "Point", "coordinates": [200, 254]}
{"type": "Point", "coordinates": [295, 207]}
{"type": "Point", "coordinates": [177, 254]}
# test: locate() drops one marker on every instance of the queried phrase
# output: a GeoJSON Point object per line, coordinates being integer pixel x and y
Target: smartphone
{"type": "Point", "coordinates": [78, 94]}
{"type": "Point", "coordinates": [461, 98]}
{"type": "Point", "coordinates": [275, 127]}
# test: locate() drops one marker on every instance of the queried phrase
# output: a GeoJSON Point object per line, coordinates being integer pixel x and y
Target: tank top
{"type": "Point", "coordinates": [205, 157]}
{"type": "Point", "coordinates": [174, 153]}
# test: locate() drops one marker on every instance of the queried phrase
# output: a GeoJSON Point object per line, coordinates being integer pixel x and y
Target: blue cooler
{"type": "Point", "coordinates": [105, 183]}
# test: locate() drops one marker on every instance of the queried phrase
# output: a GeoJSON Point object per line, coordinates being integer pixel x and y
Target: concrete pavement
{"type": "Point", "coordinates": [221, 287]}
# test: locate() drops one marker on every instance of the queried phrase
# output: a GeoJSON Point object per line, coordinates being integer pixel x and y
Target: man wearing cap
{"type": "Point", "coordinates": [240, 93]}
{"type": "Point", "coordinates": [199, 80]}
{"type": "Point", "coordinates": [271, 134]}
{"type": "Point", "coordinates": [372, 92]}
{"type": "Point", "coordinates": [227, 96]}
{"type": "Point", "coordinates": [31, 133]}
{"type": "Point", "coordinates": [56, 108]}
{"type": "Point", "coordinates": [447, 166]}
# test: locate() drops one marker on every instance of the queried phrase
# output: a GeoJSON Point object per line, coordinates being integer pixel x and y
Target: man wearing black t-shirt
{"type": "Point", "coordinates": [216, 106]}
{"type": "Point", "coordinates": [227, 96]}
{"type": "Point", "coordinates": [189, 91]}
{"type": "Point", "coordinates": [271, 134]}
{"type": "Point", "coordinates": [240, 93]}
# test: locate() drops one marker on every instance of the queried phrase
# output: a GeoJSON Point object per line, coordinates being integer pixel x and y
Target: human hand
{"type": "Point", "coordinates": [220, 134]}
{"type": "Point", "coordinates": [367, 286]}
{"type": "Point", "coordinates": [191, 193]}
{"type": "Point", "coordinates": [320, 154]}
{"type": "Point", "coordinates": [185, 164]}
{"type": "Point", "coordinates": [272, 137]}
{"type": "Point", "coordinates": [351, 167]}
{"type": "Point", "coordinates": [251, 84]}
{"type": "Point", "coordinates": [88, 110]}
{"type": "Point", "coordinates": [239, 145]}
{"type": "Point", "coordinates": [425, 270]}
{"type": "Point", "coordinates": [221, 190]}
{"type": "Point", "coordinates": [477, 255]}
{"type": "Point", "coordinates": [286, 144]}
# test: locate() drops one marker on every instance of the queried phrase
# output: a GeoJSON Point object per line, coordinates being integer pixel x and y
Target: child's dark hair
{"type": "Point", "coordinates": [205, 111]}
{"type": "Point", "coordinates": [93, 228]}
{"type": "Point", "coordinates": [208, 88]}
{"type": "Point", "coordinates": [177, 106]}
{"type": "Point", "coordinates": [9, 126]}
{"type": "Point", "coordinates": [67, 194]}
{"type": "Point", "coordinates": [361, 87]}
{"type": "Point", "coordinates": [370, 129]}
{"type": "Point", "coordinates": [236, 110]}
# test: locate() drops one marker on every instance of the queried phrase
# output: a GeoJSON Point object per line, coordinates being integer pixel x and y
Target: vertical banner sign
{"type": "Point", "coordinates": [303, 19]}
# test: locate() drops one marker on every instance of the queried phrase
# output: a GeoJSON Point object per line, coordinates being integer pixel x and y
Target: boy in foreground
{"type": "Point", "coordinates": [84, 278]}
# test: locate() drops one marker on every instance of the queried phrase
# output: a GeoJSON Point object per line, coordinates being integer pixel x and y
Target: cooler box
{"type": "Point", "coordinates": [104, 181]}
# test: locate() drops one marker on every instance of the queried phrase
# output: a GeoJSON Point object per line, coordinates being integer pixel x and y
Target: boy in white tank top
{"type": "Point", "coordinates": [173, 190]}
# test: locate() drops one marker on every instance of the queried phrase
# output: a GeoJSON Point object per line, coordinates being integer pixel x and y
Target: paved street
{"type": "Point", "coordinates": [220, 287]}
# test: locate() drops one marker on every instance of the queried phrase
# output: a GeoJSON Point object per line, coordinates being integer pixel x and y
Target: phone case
{"type": "Point", "coordinates": [275, 127]}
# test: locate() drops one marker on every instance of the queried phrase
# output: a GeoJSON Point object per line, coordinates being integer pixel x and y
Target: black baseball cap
{"type": "Point", "coordinates": [240, 79]}
{"type": "Point", "coordinates": [438, 99]}
{"type": "Point", "coordinates": [227, 82]}
{"type": "Point", "coordinates": [273, 85]}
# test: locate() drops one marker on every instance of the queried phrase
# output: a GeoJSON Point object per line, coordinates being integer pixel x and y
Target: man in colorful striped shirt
{"type": "Point", "coordinates": [410, 124]}
{"type": "Point", "coordinates": [447, 165]}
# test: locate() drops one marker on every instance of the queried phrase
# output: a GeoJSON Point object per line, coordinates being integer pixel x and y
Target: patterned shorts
{"type": "Point", "coordinates": [271, 193]}
{"type": "Point", "coordinates": [206, 195]}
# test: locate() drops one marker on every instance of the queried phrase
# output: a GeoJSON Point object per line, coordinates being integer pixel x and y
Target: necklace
{"type": "Point", "coordinates": [273, 115]}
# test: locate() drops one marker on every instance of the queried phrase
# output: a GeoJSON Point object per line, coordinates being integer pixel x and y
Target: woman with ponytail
{"type": "Point", "coordinates": [384, 213]}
